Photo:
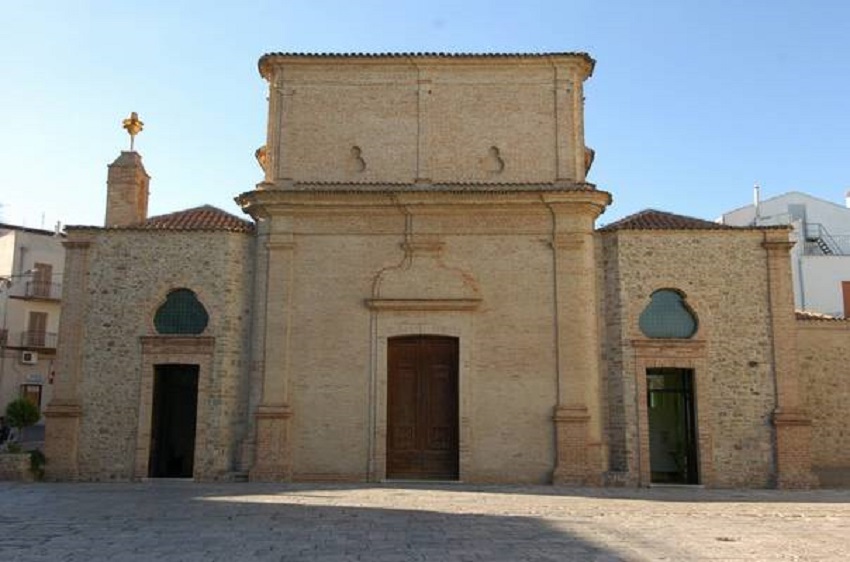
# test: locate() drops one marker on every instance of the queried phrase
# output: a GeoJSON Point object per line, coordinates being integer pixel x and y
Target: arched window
{"type": "Point", "coordinates": [667, 316]}
{"type": "Point", "coordinates": [181, 313]}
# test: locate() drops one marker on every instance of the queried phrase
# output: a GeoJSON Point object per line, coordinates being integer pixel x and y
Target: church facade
{"type": "Point", "coordinates": [422, 294]}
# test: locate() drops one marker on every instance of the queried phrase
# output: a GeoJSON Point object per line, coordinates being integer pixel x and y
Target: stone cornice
{"type": "Point", "coordinates": [265, 203]}
{"type": "Point", "coordinates": [424, 186]}
{"type": "Point", "coordinates": [583, 62]}
{"type": "Point", "coordinates": [778, 246]}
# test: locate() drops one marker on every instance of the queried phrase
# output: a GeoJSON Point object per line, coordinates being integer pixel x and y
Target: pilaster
{"type": "Point", "coordinates": [564, 125]}
{"type": "Point", "coordinates": [577, 415]}
{"type": "Point", "coordinates": [792, 423]}
{"type": "Point", "coordinates": [577, 132]}
{"type": "Point", "coordinates": [273, 442]}
{"type": "Point", "coordinates": [64, 411]}
{"type": "Point", "coordinates": [423, 118]}
{"type": "Point", "coordinates": [569, 121]}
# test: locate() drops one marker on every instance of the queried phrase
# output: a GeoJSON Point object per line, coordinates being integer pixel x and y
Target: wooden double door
{"type": "Point", "coordinates": [422, 408]}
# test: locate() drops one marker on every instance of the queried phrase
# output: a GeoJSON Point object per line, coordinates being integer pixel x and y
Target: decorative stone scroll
{"type": "Point", "coordinates": [495, 162]}
{"type": "Point", "coordinates": [357, 162]}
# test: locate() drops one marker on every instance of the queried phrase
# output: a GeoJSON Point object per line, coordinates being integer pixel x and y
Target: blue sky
{"type": "Point", "coordinates": [691, 101]}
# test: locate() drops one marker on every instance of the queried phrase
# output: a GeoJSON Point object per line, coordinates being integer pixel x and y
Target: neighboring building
{"type": "Point", "coordinates": [31, 263]}
{"type": "Point", "coordinates": [423, 295]}
{"type": "Point", "coordinates": [821, 254]}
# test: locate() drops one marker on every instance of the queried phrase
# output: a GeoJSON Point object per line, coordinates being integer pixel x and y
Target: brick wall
{"type": "Point", "coordinates": [440, 119]}
{"type": "Point", "coordinates": [507, 372]}
{"type": "Point", "coordinates": [823, 347]}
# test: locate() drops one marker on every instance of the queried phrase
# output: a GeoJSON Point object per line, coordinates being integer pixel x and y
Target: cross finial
{"type": "Point", "coordinates": [133, 126]}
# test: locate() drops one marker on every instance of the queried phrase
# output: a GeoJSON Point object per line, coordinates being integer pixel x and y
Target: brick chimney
{"type": "Point", "coordinates": [127, 191]}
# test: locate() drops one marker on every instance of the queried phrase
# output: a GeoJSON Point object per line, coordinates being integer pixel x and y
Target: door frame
{"type": "Point", "coordinates": [188, 350]}
{"type": "Point", "coordinates": [387, 324]}
{"type": "Point", "coordinates": [161, 385]}
{"type": "Point", "coordinates": [682, 354]}
{"type": "Point", "coordinates": [687, 421]}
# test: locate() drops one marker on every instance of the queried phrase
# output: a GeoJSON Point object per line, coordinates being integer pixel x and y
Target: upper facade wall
{"type": "Point", "coordinates": [427, 120]}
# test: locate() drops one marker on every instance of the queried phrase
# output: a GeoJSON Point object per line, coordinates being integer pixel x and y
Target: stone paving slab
{"type": "Point", "coordinates": [186, 521]}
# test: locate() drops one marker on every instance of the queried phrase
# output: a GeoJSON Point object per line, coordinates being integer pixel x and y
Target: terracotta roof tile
{"type": "Point", "coordinates": [201, 218]}
{"type": "Point", "coordinates": [809, 315]}
{"type": "Point", "coordinates": [651, 219]}
{"type": "Point", "coordinates": [426, 55]}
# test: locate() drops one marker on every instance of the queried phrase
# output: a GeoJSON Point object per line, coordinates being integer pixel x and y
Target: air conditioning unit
{"type": "Point", "coordinates": [29, 357]}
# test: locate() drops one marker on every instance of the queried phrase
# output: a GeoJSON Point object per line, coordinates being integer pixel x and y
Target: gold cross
{"type": "Point", "coordinates": [134, 126]}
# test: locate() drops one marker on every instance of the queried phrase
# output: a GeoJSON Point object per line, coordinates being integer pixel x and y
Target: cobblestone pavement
{"type": "Point", "coordinates": [180, 520]}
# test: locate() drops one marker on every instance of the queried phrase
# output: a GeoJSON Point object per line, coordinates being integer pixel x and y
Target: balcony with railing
{"type": "Point", "coordinates": [34, 340]}
{"type": "Point", "coordinates": [37, 290]}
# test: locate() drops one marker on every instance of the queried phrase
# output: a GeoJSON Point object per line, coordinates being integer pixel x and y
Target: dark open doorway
{"type": "Point", "coordinates": [422, 408]}
{"type": "Point", "coordinates": [174, 415]}
{"type": "Point", "coordinates": [672, 426]}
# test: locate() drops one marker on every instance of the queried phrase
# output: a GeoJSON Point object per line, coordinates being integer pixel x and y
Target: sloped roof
{"type": "Point", "coordinates": [205, 217]}
{"type": "Point", "coordinates": [5, 227]}
{"type": "Point", "coordinates": [651, 219]}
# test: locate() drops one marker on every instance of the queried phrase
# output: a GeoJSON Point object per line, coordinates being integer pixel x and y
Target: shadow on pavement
{"type": "Point", "coordinates": [183, 521]}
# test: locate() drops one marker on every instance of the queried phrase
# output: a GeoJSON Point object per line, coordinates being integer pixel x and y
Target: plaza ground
{"type": "Point", "coordinates": [183, 520]}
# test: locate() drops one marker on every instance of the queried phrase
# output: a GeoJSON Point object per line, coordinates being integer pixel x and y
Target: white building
{"type": "Point", "coordinates": [821, 255]}
{"type": "Point", "coordinates": [31, 265]}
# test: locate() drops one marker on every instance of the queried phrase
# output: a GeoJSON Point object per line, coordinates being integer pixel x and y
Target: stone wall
{"type": "Point", "coordinates": [130, 273]}
{"type": "Point", "coordinates": [825, 381]}
{"type": "Point", "coordinates": [15, 466]}
{"type": "Point", "coordinates": [723, 277]}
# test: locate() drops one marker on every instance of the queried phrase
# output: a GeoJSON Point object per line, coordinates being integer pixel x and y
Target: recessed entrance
{"type": "Point", "coordinates": [174, 415]}
{"type": "Point", "coordinates": [422, 408]}
{"type": "Point", "coordinates": [672, 426]}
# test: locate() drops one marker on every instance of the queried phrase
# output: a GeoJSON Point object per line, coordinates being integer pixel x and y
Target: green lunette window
{"type": "Point", "coordinates": [667, 316]}
{"type": "Point", "coordinates": [182, 313]}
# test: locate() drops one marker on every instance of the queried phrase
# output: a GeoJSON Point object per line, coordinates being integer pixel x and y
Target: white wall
{"type": "Point", "coordinates": [822, 277]}
{"type": "Point", "coordinates": [835, 217]}
{"type": "Point", "coordinates": [20, 250]}
{"type": "Point", "coordinates": [817, 279]}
